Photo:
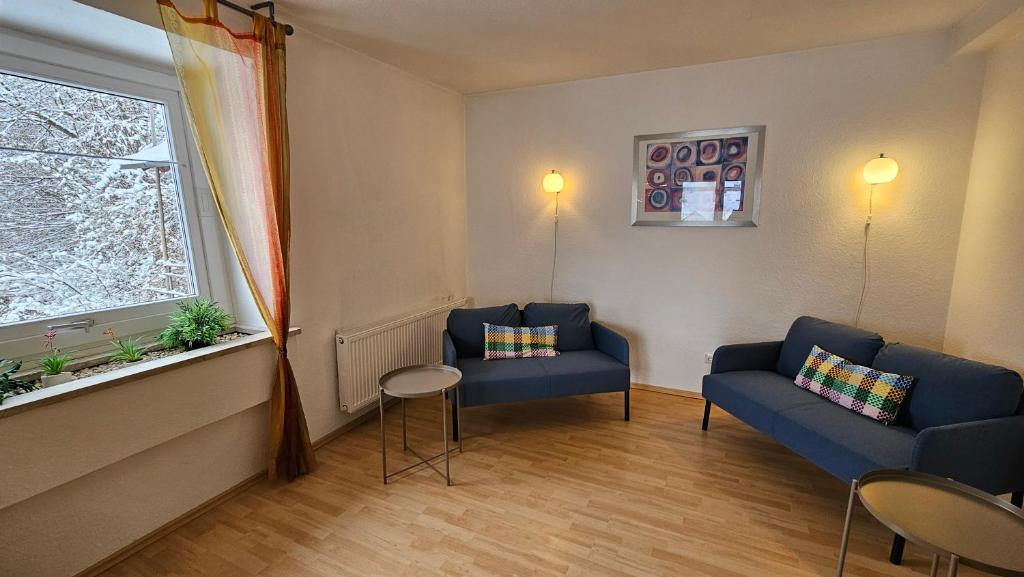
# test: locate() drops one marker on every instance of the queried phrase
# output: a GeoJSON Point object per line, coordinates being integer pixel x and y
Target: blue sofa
{"type": "Point", "coordinates": [592, 358]}
{"type": "Point", "coordinates": [962, 419]}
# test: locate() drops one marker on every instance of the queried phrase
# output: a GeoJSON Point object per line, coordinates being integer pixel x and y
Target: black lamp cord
{"type": "Point", "coordinates": [867, 233]}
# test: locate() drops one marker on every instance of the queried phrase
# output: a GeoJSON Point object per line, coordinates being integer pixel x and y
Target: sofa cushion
{"type": "Point", "coordinates": [950, 389]}
{"type": "Point", "coordinates": [841, 442]}
{"type": "Point", "coordinates": [856, 345]}
{"type": "Point", "coordinates": [466, 326]}
{"type": "Point", "coordinates": [584, 372]}
{"type": "Point", "coordinates": [502, 342]}
{"type": "Point", "coordinates": [487, 382]}
{"type": "Point", "coordinates": [755, 396]}
{"type": "Point", "coordinates": [863, 390]}
{"type": "Point", "coordinates": [573, 322]}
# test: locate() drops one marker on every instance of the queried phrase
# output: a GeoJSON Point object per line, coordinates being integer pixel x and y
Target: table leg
{"type": "Point", "coordinates": [846, 529]}
{"type": "Point", "coordinates": [383, 441]}
{"type": "Point", "coordinates": [935, 566]}
{"type": "Point", "coordinates": [463, 414]}
{"type": "Point", "coordinates": [954, 565]}
{"type": "Point", "coordinates": [444, 435]}
{"type": "Point", "coordinates": [405, 438]}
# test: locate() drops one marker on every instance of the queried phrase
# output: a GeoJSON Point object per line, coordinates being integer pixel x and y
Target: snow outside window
{"type": "Point", "coordinates": [91, 213]}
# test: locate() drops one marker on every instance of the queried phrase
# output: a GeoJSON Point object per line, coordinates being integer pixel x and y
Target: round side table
{"type": "Point", "coordinates": [946, 518]}
{"type": "Point", "coordinates": [415, 382]}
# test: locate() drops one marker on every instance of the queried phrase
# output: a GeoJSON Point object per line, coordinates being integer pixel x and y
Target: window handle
{"type": "Point", "coordinates": [84, 324]}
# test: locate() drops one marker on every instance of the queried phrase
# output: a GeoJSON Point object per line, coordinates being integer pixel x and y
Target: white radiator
{"type": "Point", "coordinates": [366, 353]}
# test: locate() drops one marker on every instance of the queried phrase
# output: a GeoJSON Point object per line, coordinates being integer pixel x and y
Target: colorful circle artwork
{"type": "Point", "coordinates": [658, 155]}
{"type": "Point", "coordinates": [733, 172]}
{"type": "Point", "coordinates": [709, 173]}
{"type": "Point", "coordinates": [657, 177]}
{"type": "Point", "coordinates": [684, 153]}
{"type": "Point", "coordinates": [677, 200]}
{"type": "Point", "coordinates": [681, 175]}
{"type": "Point", "coordinates": [658, 198]}
{"type": "Point", "coordinates": [736, 149]}
{"type": "Point", "coordinates": [710, 151]}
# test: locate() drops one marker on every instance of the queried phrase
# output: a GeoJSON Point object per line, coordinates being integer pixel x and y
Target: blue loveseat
{"type": "Point", "coordinates": [962, 419]}
{"type": "Point", "coordinates": [592, 358]}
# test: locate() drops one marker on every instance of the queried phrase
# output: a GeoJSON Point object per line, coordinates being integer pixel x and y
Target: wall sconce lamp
{"type": "Point", "coordinates": [881, 170]}
{"type": "Point", "coordinates": [553, 183]}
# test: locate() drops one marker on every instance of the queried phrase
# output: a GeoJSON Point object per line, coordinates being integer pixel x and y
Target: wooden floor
{"type": "Point", "coordinates": [561, 487]}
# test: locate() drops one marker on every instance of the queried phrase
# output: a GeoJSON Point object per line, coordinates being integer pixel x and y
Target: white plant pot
{"type": "Point", "coordinates": [51, 380]}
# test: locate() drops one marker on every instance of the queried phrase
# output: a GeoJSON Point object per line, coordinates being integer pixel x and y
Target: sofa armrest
{"type": "Point", "coordinates": [610, 343]}
{"type": "Point", "coordinates": [746, 357]}
{"type": "Point", "coordinates": [986, 454]}
{"type": "Point", "coordinates": [448, 354]}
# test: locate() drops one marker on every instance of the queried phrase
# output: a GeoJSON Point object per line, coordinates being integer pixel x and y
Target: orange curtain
{"type": "Point", "coordinates": [234, 89]}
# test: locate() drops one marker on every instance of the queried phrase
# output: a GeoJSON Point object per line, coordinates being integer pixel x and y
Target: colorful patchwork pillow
{"type": "Point", "coordinates": [863, 390]}
{"type": "Point", "coordinates": [519, 342]}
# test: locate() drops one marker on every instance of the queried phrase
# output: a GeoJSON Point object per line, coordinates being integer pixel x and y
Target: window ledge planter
{"type": "Point", "coordinates": [129, 373]}
{"type": "Point", "coordinates": [47, 381]}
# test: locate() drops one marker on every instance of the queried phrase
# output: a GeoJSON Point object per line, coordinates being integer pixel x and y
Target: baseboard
{"type": "Point", "coordinates": [667, 391]}
{"type": "Point", "coordinates": [167, 528]}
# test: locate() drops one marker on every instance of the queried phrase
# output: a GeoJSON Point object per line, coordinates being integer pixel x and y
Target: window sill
{"type": "Point", "coordinates": [55, 394]}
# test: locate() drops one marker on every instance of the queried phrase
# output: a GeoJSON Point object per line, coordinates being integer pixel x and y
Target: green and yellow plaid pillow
{"type": "Point", "coordinates": [519, 342]}
{"type": "Point", "coordinates": [863, 390]}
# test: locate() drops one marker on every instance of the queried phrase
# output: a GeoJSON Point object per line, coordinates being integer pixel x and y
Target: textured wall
{"type": "Point", "coordinates": [378, 211]}
{"type": "Point", "coordinates": [679, 292]}
{"type": "Point", "coordinates": [986, 313]}
{"type": "Point", "coordinates": [378, 204]}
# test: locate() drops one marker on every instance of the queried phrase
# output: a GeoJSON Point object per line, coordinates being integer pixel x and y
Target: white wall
{"type": "Point", "coordinates": [378, 204]}
{"type": "Point", "coordinates": [680, 292]}
{"type": "Point", "coordinates": [88, 475]}
{"type": "Point", "coordinates": [378, 216]}
{"type": "Point", "coordinates": [986, 313]}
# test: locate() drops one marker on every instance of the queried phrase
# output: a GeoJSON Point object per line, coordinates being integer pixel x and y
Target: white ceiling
{"type": "Point", "coordinates": [484, 45]}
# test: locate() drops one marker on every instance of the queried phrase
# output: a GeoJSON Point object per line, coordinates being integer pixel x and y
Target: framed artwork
{"type": "Point", "coordinates": [698, 178]}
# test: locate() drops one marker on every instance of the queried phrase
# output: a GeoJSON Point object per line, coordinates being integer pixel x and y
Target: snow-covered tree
{"type": "Point", "coordinates": [78, 232]}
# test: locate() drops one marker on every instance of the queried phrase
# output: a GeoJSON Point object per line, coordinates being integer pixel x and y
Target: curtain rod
{"type": "Point", "coordinates": [250, 11]}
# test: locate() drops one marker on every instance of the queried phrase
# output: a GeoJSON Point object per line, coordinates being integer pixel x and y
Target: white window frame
{"type": "Point", "coordinates": [49, 62]}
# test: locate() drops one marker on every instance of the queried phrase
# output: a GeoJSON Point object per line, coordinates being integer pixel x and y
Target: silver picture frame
{"type": "Point", "coordinates": [749, 192]}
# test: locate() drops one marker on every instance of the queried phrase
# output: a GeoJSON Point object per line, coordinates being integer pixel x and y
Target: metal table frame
{"type": "Point", "coordinates": [444, 393]}
{"type": "Point", "coordinates": [924, 479]}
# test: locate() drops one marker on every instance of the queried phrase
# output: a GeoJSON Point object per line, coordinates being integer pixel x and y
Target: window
{"type": "Point", "coordinates": [83, 229]}
{"type": "Point", "coordinates": [99, 226]}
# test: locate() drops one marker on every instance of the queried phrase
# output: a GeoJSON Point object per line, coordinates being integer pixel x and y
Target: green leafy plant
{"type": "Point", "coordinates": [195, 324]}
{"type": "Point", "coordinates": [55, 361]}
{"type": "Point", "coordinates": [128, 350]}
{"type": "Point", "coordinates": [10, 386]}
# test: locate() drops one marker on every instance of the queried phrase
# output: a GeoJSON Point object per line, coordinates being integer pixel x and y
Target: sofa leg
{"type": "Point", "coordinates": [896, 555]}
{"type": "Point", "coordinates": [707, 415]}
{"type": "Point", "coordinates": [626, 402]}
{"type": "Point", "coordinates": [1018, 499]}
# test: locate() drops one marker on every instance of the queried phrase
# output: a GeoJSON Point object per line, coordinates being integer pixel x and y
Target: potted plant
{"type": "Point", "coordinates": [10, 386]}
{"type": "Point", "coordinates": [128, 350]}
{"type": "Point", "coordinates": [54, 363]}
{"type": "Point", "coordinates": [195, 324]}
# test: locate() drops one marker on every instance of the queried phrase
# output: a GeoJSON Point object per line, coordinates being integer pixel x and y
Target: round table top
{"type": "Point", "coordinates": [419, 380]}
{"type": "Point", "coordinates": [949, 517]}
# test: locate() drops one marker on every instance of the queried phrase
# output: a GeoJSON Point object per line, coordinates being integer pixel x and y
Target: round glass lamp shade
{"type": "Point", "coordinates": [553, 182]}
{"type": "Point", "coordinates": [881, 170]}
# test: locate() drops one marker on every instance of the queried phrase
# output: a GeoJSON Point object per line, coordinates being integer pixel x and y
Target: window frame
{"type": "Point", "coordinates": [107, 74]}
